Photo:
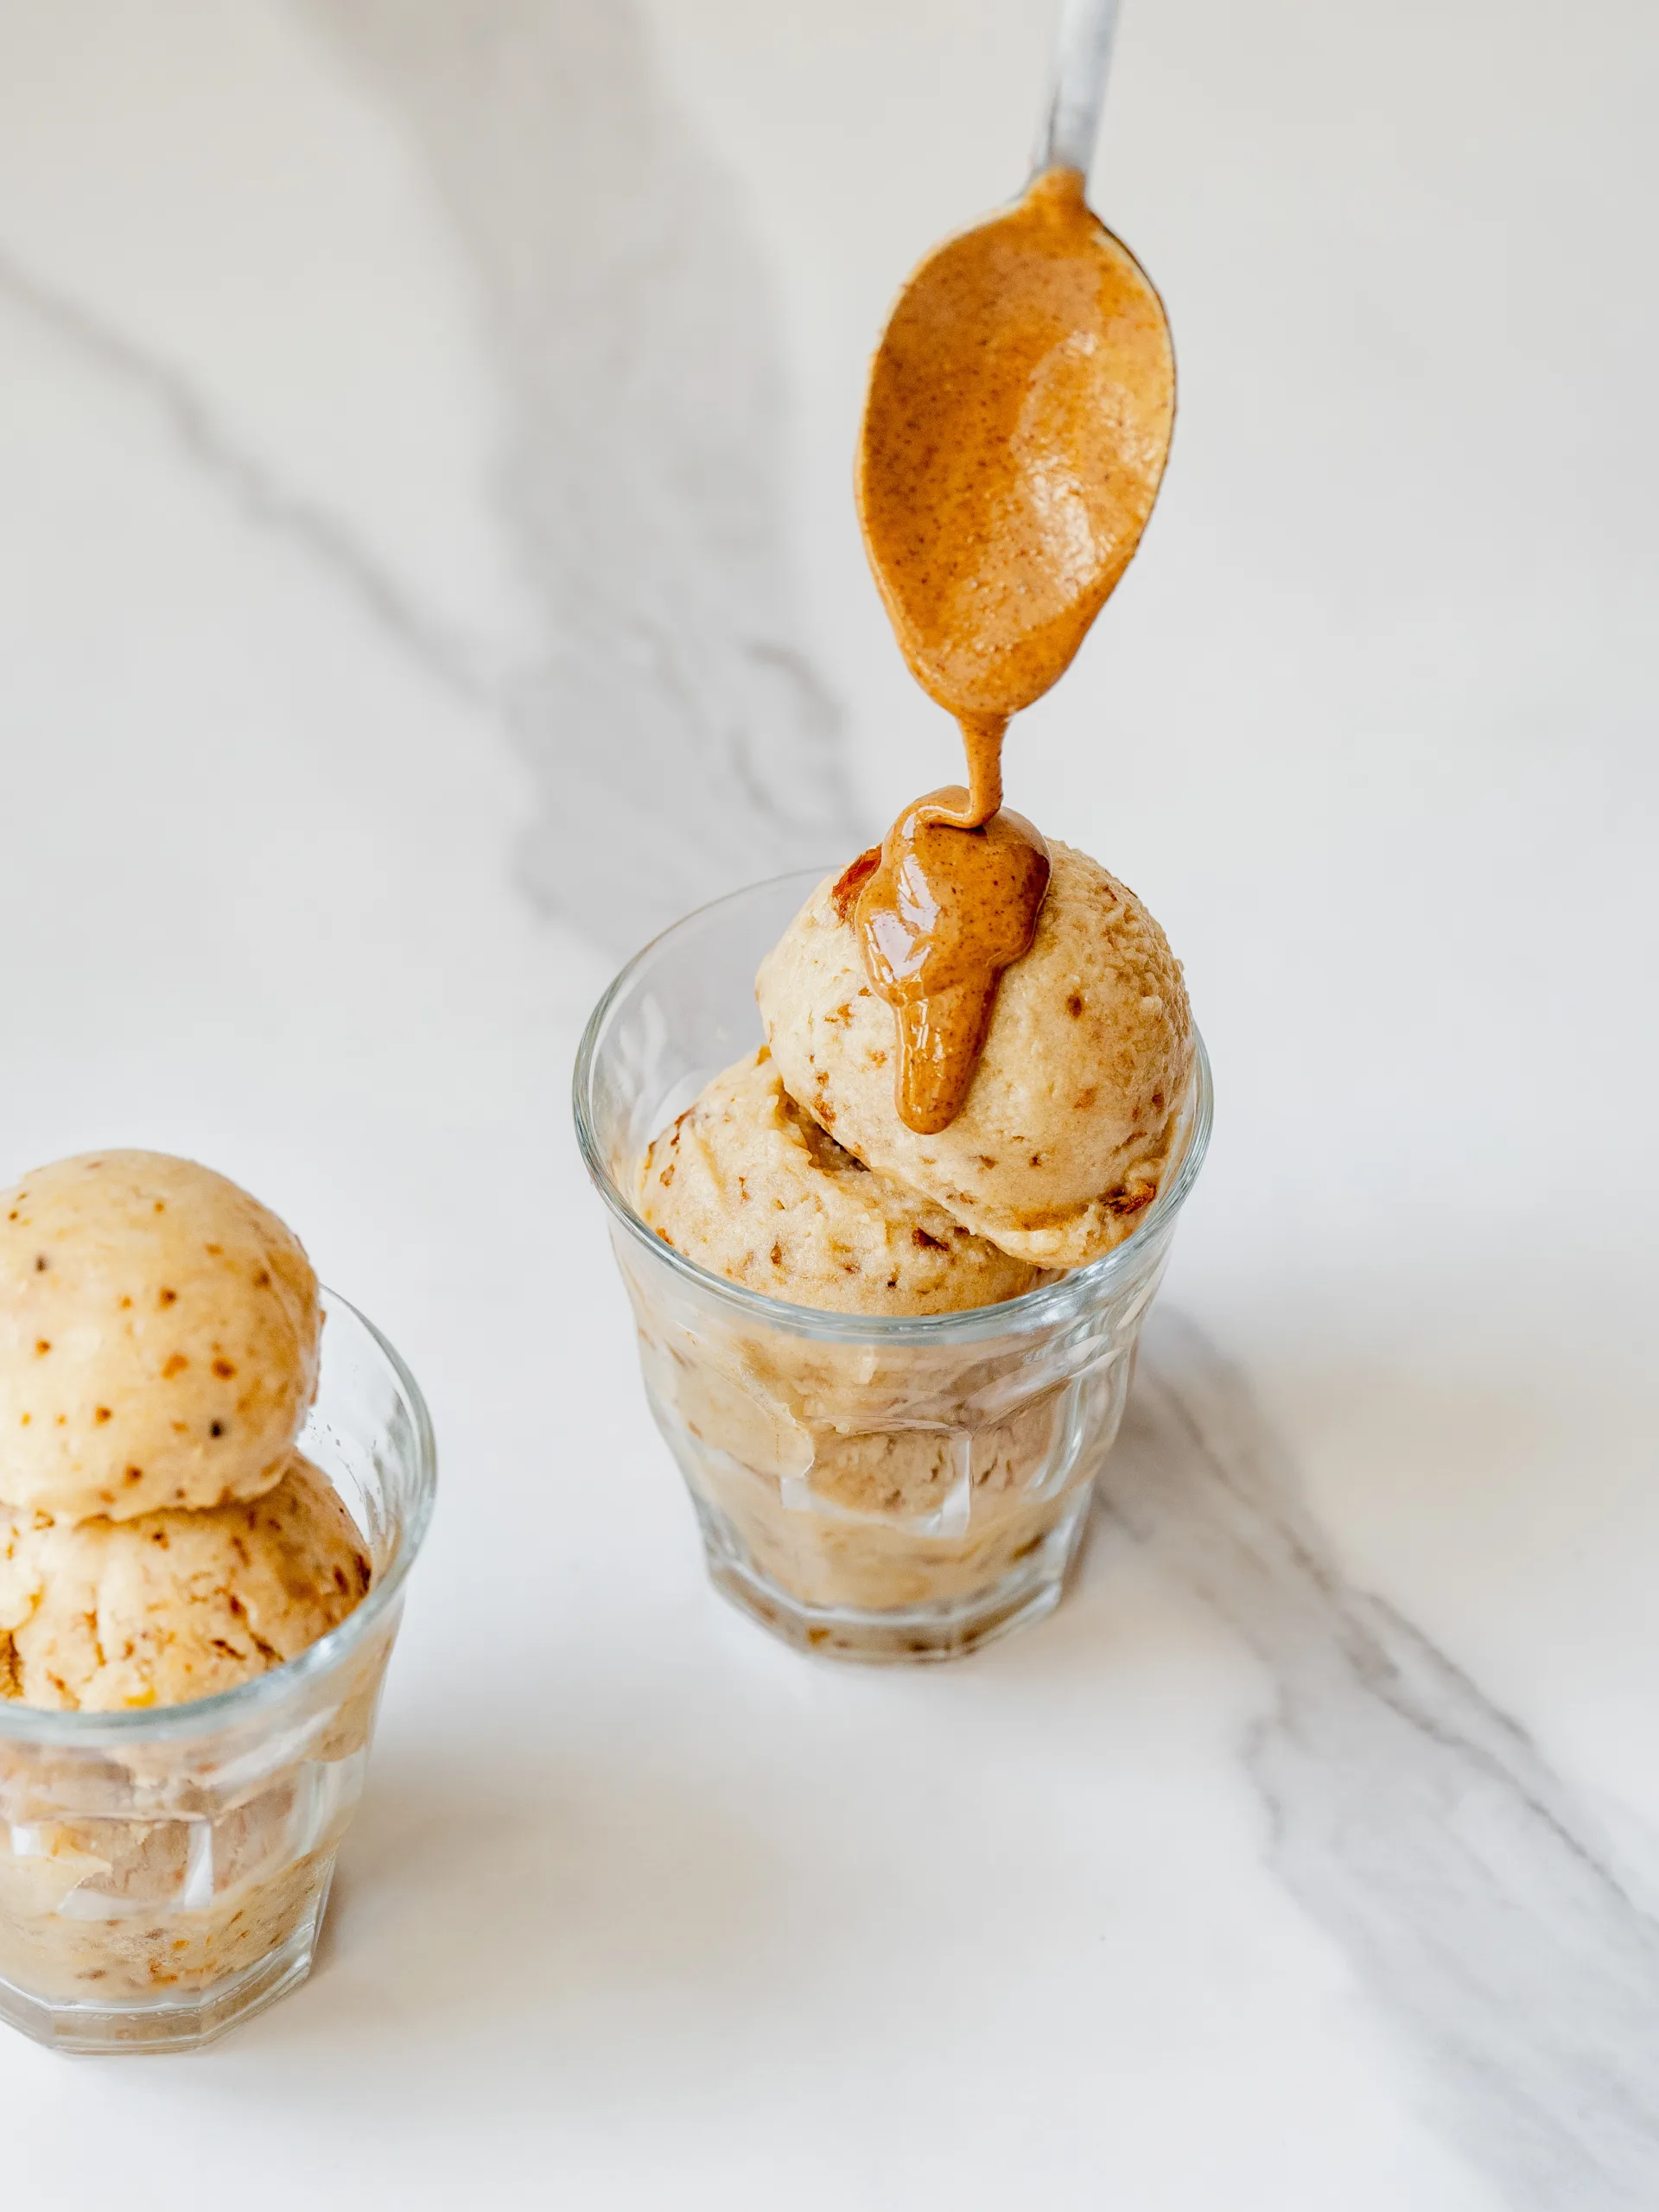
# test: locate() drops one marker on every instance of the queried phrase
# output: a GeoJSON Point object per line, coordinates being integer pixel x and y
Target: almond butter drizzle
{"type": "Point", "coordinates": [1015, 431]}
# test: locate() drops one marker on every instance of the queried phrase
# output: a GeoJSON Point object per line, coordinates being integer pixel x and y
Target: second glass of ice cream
{"type": "Point", "coordinates": [208, 1514]}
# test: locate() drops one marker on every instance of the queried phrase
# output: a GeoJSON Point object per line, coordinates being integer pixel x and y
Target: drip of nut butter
{"type": "Point", "coordinates": [1015, 429]}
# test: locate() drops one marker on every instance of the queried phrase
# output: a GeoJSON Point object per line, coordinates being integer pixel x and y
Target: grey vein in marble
{"type": "Point", "coordinates": [200, 437]}
{"type": "Point", "coordinates": [677, 729]}
{"type": "Point", "coordinates": [1416, 1823]}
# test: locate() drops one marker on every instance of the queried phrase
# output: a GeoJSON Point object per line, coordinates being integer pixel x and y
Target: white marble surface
{"type": "Point", "coordinates": [410, 403]}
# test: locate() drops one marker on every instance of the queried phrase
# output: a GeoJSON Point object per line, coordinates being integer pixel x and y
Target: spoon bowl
{"type": "Point", "coordinates": [1015, 431]}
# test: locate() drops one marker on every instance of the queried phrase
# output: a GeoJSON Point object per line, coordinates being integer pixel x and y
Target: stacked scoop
{"type": "Point", "coordinates": [160, 1538]}
{"type": "Point", "coordinates": [794, 1175]}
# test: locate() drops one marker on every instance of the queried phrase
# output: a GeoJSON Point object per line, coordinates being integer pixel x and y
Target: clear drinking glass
{"type": "Point", "coordinates": [164, 1873]}
{"type": "Point", "coordinates": [880, 1489]}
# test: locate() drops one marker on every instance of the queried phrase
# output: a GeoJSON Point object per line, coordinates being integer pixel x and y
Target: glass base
{"type": "Point", "coordinates": [178, 2023]}
{"type": "Point", "coordinates": [912, 1635]}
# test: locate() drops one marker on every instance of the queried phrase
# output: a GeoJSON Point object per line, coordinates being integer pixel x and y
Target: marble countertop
{"type": "Point", "coordinates": [424, 478]}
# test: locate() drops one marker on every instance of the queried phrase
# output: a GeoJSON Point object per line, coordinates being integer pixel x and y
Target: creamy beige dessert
{"type": "Point", "coordinates": [755, 1189]}
{"type": "Point", "coordinates": [1065, 1129]}
{"type": "Point", "coordinates": [132, 1951]}
{"type": "Point", "coordinates": [162, 1541]}
{"type": "Point", "coordinates": [158, 1338]}
{"type": "Point", "coordinates": [102, 1615]}
{"type": "Point", "coordinates": [220, 1859]}
{"type": "Point", "coordinates": [879, 1478]}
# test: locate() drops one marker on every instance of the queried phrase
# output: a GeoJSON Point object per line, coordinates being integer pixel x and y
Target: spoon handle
{"type": "Point", "coordinates": [1083, 53]}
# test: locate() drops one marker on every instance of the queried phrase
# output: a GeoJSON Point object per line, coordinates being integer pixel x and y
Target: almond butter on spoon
{"type": "Point", "coordinates": [1015, 432]}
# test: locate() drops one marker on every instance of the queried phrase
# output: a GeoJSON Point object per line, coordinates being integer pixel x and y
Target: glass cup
{"type": "Point", "coordinates": [875, 1488]}
{"type": "Point", "coordinates": [164, 1873]}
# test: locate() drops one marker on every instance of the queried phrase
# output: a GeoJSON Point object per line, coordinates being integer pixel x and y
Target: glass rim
{"type": "Point", "coordinates": [46, 1724]}
{"type": "Point", "coordinates": [1031, 1309]}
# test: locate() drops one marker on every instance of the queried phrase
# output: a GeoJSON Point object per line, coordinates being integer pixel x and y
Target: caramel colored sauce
{"type": "Point", "coordinates": [1015, 432]}
{"type": "Point", "coordinates": [941, 911]}
{"type": "Point", "coordinates": [981, 740]}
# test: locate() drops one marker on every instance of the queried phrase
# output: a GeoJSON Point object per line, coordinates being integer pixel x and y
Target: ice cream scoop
{"type": "Point", "coordinates": [750, 1187]}
{"type": "Point", "coordinates": [159, 1334]}
{"type": "Point", "coordinates": [1069, 1121]}
{"type": "Point", "coordinates": [104, 1615]}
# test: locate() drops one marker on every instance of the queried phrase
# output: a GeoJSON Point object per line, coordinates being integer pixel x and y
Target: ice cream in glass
{"type": "Point", "coordinates": [201, 1558]}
